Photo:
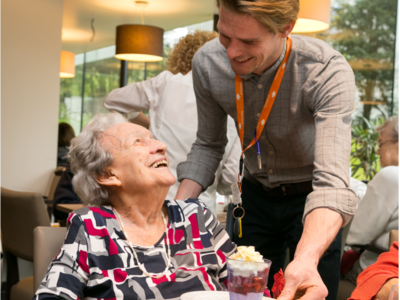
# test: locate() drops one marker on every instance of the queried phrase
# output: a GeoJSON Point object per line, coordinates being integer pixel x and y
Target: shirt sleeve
{"type": "Point", "coordinates": [68, 273]}
{"type": "Point", "coordinates": [371, 280]}
{"type": "Point", "coordinates": [230, 163]}
{"type": "Point", "coordinates": [376, 209]}
{"type": "Point", "coordinates": [330, 94]}
{"type": "Point", "coordinates": [138, 96]}
{"type": "Point", "coordinates": [208, 149]}
{"type": "Point", "coordinates": [222, 244]}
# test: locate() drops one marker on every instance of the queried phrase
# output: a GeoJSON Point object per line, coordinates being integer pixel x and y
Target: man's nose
{"type": "Point", "coordinates": [233, 50]}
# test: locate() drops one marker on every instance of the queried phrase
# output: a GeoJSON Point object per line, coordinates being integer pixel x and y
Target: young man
{"type": "Point", "coordinates": [299, 173]}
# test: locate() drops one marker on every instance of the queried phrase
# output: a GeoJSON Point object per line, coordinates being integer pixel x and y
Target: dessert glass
{"type": "Point", "coordinates": [247, 280]}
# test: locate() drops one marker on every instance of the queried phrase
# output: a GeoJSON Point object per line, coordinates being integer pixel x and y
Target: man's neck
{"type": "Point", "coordinates": [272, 60]}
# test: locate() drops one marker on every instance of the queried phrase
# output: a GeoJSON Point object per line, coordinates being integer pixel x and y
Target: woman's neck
{"type": "Point", "coordinates": [144, 210]}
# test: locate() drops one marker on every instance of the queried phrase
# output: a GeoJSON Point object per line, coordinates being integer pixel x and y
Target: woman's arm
{"type": "Point", "coordinates": [68, 273]}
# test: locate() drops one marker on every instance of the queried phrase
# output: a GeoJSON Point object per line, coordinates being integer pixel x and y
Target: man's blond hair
{"type": "Point", "coordinates": [272, 14]}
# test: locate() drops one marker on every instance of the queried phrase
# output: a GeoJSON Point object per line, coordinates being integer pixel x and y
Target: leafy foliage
{"type": "Point", "coordinates": [364, 146]}
{"type": "Point", "coordinates": [365, 34]}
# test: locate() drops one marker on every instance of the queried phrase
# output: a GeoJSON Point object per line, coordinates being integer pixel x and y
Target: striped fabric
{"type": "Point", "coordinates": [96, 262]}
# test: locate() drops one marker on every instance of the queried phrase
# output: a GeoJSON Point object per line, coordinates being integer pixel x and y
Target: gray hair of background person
{"type": "Point", "coordinates": [393, 124]}
{"type": "Point", "coordinates": [88, 158]}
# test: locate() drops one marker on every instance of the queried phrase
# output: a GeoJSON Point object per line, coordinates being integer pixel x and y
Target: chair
{"type": "Point", "coordinates": [47, 242]}
{"type": "Point", "coordinates": [393, 237]}
{"type": "Point", "coordinates": [21, 212]}
{"type": "Point", "coordinates": [49, 199]}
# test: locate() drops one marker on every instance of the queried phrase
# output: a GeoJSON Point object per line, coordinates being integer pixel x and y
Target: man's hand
{"type": "Point", "coordinates": [188, 189]}
{"type": "Point", "coordinates": [303, 281]}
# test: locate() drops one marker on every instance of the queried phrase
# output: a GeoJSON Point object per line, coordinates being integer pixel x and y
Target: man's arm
{"type": "Point", "coordinates": [207, 151]}
{"type": "Point", "coordinates": [330, 91]}
{"type": "Point", "coordinates": [188, 189]}
{"type": "Point", "coordinates": [301, 275]}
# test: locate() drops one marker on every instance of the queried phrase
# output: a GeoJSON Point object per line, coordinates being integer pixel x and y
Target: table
{"type": "Point", "coordinates": [71, 207]}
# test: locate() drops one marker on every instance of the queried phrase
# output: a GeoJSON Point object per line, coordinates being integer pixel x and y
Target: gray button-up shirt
{"type": "Point", "coordinates": [307, 135]}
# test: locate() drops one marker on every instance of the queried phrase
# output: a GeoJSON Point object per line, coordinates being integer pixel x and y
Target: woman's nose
{"type": "Point", "coordinates": [157, 147]}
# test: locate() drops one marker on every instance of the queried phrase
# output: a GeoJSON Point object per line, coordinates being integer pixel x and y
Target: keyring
{"type": "Point", "coordinates": [233, 212]}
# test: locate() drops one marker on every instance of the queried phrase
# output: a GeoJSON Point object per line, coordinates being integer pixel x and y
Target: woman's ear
{"type": "Point", "coordinates": [108, 178]}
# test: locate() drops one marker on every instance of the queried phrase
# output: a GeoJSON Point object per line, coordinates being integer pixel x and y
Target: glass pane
{"type": "Point", "coordinates": [71, 97]}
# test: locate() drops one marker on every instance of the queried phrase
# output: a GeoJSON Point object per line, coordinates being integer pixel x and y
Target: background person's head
{"type": "Point", "coordinates": [89, 158]}
{"type": "Point", "coordinates": [180, 57]}
{"type": "Point", "coordinates": [388, 142]}
{"type": "Point", "coordinates": [65, 134]}
{"type": "Point", "coordinates": [253, 32]}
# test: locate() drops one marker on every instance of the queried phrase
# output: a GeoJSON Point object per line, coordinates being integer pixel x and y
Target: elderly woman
{"type": "Point", "coordinates": [130, 243]}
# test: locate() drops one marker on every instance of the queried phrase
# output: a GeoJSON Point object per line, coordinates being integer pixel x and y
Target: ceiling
{"type": "Point", "coordinates": [77, 33]}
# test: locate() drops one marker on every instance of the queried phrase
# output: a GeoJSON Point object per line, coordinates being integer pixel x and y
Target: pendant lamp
{"type": "Point", "coordinates": [314, 16]}
{"type": "Point", "coordinates": [67, 64]}
{"type": "Point", "coordinates": [139, 42]}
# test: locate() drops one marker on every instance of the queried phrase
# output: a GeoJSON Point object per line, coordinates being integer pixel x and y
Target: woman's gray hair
{"type": "Point", "coordinates": [393, 124]}
{"type": "Point", "coordinates": [88, 158]}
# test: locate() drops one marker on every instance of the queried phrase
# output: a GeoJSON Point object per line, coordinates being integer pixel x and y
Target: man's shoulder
{"type": "Point", "coordinates": [210, 51]}
{"type": "Point", "coordinates": [314, 49]}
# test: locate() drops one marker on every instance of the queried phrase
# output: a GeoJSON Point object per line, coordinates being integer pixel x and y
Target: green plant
{"type": "Point", "coordinates": [364, 160]}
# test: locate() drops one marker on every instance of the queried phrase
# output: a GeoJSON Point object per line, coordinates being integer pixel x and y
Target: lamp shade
{"type": "Point", "coordinates": [314, 16]}
{"type": "Point", "coordinates": [139, 43]}
{"type": "Point", "coordinates": [67, 64]}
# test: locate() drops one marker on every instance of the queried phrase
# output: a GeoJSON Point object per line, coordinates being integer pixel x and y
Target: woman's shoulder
{"type": "Point", "coordinates": [180, 211]}
{"type": "Point", "coordinates": [92, 214]}
{"type": "Point", "coordinates": [387, 174]}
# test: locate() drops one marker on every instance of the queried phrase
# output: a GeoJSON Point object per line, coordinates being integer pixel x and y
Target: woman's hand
{"type": "Point", "coordinates": [384, 292]}
{"type": "Point", "coordinates": [303, 281]}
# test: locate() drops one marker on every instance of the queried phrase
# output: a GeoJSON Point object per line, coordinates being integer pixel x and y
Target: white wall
{"type": "Point", "coordinates": [30, 55]}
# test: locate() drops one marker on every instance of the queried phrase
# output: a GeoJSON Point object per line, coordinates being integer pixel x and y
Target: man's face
{"type": "Point", "coordinates": [388, 150]}
{"type": "Point", "coordinates": [250, 47]}
{"type": "Point", "coordinates": [139, 161]}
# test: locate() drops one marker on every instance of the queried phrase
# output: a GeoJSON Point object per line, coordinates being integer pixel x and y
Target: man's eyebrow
{"type": "Point", "coordinates": [242, 40]}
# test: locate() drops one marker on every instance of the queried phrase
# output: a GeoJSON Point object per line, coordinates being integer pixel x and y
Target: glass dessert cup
{"type": "Point", "coordinates": [247, 280]}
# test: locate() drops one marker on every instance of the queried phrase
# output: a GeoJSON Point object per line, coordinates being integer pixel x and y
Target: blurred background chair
{"type": "Point", "coordinates": [47, 242]}
{"type": "Point", "coordinates": [49, 199]}
{"type": "Point", "coordinates": [21, 212]}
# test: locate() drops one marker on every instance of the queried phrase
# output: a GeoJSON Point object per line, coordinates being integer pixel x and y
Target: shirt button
{"type": "Point", "coordinates": [258, 115]}
{"type": "Point", "coordinates": [260, 86]}
{"type": "Point", "coordinates": [271, 171]}
{"type": "Point", "coordinates": [271, 152]}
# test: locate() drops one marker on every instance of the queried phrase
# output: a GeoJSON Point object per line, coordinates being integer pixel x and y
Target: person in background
{"type": "Point", "coordinates": [131, 243]}
{"type": "Point", "coordinates": [376, 281]}
{"type": "Point", "coordinates": [64, 194]}
{"type": "Point", "coordinates": [378, 212]}
{"type": "Point", "coordinates": [65, 134]}
{"type": "Point", "coordinates": [170, 100]}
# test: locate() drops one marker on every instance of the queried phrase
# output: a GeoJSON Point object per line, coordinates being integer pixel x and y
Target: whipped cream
{"type": "Point", "coordinates": [246, 261]}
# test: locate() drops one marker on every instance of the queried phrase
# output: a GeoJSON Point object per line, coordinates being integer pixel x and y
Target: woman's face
{"type": "Point", "coordinates": [140, 162]}
{"type": "Point", "coordinates": [388, 149]}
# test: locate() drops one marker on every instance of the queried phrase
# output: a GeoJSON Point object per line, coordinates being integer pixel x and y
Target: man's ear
{"type": "Point", "coordinates": [108, 178]}
{"type": "Point", "coordinates": [287, 29]}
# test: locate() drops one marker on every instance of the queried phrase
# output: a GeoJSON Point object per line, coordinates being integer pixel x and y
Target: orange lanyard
{"type": "Point", "coordinates": [269, 102]}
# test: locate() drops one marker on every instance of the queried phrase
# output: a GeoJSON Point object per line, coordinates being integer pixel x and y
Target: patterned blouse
{"type": "Point", "coordinates": [96, 261]}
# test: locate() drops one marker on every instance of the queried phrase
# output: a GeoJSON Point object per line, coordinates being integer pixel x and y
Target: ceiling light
{"type": "Point", "coordinates": [139, 42]}
{"type": "Point", "coordinates": [67, 64]}
{"type": "Point", "coordinates": [314, 16]}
